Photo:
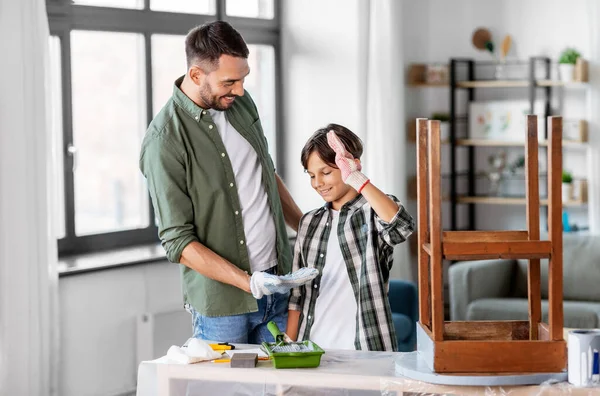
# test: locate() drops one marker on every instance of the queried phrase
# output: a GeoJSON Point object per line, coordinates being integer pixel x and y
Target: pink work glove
{"type": "Point", "coordinates": [348, 165]}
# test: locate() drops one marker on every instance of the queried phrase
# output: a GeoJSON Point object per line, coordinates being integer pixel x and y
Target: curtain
{"type": "Point", "coordinates": [384, 116]}
{"type": "Point", "coordinates": [28, 256]}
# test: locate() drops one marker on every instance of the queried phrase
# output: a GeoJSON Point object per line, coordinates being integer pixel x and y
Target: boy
{"type": "Point", "coordinates": [350, 240]}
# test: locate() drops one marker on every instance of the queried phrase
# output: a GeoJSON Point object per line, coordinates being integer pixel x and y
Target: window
{"type": "Point", "coordinates": [113, 64]}
{"type": "Point", "coordinates": [139, 4]}
{"type": "Point", "coordinates": [166, 67]}
{"type": "Point", "coordinates": [184, 6]}
{"type": "Point", "coordinates": [108, 123]}
{"type": "Point", "coordinates": [261, 85]}
{"type": "Point", "coordinates": [251, 8]}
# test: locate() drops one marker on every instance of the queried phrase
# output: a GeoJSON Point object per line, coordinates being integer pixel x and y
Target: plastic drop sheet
{"type": "Point", "coordinates": [341, 373]}
{"type": "Point", "coordinates": [409, 387]}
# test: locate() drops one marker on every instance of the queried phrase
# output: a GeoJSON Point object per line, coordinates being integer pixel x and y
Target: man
{"type": "Point", "coordinates": [221, 207]}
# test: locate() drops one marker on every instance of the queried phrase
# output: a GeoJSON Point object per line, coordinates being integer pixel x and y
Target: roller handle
{"type": "Point", "coordinates": [277, 334]}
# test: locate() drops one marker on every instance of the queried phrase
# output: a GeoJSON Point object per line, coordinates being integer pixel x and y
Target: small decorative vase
{"type": "Point", "coordinates": [567, 192]}
{"type": "Point", "coordinates": [566, 71]}
{"type": "Point", "coordinates": [500, 71]}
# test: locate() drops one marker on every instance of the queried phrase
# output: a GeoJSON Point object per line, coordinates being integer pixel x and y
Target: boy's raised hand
{"type": "Point", "coordinates": [348, 165]}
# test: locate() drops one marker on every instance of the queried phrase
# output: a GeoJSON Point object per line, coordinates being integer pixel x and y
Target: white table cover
{"type": "Point", "coordinates": [341, 373]}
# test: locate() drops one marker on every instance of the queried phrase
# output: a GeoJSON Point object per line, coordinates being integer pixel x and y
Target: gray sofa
{"type": "Point", "coordinates": [497, 289]}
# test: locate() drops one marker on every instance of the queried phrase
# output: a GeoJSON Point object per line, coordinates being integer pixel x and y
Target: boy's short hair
{"type": "Point", "coordinates": [318, 143]}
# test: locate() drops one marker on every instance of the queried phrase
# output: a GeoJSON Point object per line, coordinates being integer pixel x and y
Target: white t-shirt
{"type": "Point", "coordinates": [334, 326]}
{"type": "Point", "coordinates": [259, 225]}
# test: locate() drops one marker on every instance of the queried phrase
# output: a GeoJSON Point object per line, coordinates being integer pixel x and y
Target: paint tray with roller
{"type": "Point", "coordinates": [291, 354]}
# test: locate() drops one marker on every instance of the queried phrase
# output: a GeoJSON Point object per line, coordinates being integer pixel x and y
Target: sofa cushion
{"type": "Point", "coordinates": [520, 285]}
{"type": "Point", "coordinates": [581, 270]}
{"type": "Point", "coordinates": [577, 314]}
{"type": "Point", "coordinates": [403, 325]}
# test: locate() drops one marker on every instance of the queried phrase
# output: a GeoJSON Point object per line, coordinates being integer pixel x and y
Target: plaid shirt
{"type": "Point", "coordinates": [367, 245]}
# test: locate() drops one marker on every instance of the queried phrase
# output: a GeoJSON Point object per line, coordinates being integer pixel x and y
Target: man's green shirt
{"type": "Point", "coordinates": [195, 196]}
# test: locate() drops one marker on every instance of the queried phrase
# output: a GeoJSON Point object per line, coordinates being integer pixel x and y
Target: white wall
{"type": "Point", "coordinates": [320, 72]}
{"type": "Point", "coordinates": [542, 27]}
{"type": "Point", "coordinates": [98, 323]}
{"type": "Point", "coordinates": [436, 30]}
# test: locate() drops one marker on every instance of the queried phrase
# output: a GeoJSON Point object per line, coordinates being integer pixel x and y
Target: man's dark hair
{"type": "Point", "coordinates": [205, 44]}
{"type": "Point", "coordinates": [318, 143]}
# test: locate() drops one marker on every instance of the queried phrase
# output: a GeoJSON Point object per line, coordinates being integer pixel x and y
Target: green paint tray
{"type": "Point", "coordinates": [291, 354]}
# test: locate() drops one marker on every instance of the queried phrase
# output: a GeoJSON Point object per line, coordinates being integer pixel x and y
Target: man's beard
{"type": "Point", "coordinates": [212, 101]}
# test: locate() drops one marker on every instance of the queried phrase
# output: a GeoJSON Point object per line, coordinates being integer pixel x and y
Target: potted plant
{"type": "Point", "coordinates": [567, 61]}
{"type": "Point", "coordinates": [444, 119]}
{"type": "Point", "coordinates": [567, 186]}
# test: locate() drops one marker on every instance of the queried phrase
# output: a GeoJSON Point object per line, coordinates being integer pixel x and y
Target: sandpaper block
{"type": "Point", "coordinates": [244, 360]}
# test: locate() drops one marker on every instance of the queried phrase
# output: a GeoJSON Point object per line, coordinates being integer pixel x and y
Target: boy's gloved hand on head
{"type": "Point", "coordinates": [264, 284]}
{"type": "Point", "coordinates": [348, 165]}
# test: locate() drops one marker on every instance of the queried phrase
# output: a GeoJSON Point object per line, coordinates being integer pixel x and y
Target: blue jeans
{"type": "Point", "coordinates": [250, 328]}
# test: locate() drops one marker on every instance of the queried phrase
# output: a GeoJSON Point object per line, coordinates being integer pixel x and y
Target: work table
{"type": "Point", "coordinates": [340, 373]}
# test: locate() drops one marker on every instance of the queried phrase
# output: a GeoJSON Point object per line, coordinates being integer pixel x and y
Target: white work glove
{"type": "Point", "coordinates": [264, 284]}
{"type": "Point", "coordinates": [348, 165]}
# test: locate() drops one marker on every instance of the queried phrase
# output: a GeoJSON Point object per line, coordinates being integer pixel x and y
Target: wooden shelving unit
{"type": "Point", "coordinates": [527, 87]}
{"type": "Point", "coordinates": [534, 83]}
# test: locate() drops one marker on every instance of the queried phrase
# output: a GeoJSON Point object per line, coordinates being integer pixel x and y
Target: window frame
{"type": "Point", "coordinates": [63, 17]}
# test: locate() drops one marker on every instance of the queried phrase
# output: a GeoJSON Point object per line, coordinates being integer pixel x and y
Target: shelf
{"type": "Point", "coordinates": [493, 84]}
{"type": "Point", "coordinates": [509, 201]}
{"type": "Point", "coordinates": [503, 201]}
{"type": "Point", "coordinates": [567, 144]}
{"type": "Point", "coordinates": [488, 143]}
{"type": "Point", "coordinates": [508, 143]}
{"type": "Point", "coordinates": [430, 85]}
{"type": "Point", "coordinates": [519, 84]}
{"type": "Point", "coordinates": [558, 83]}
{"type": "Point", "coordinates": [443, 142]}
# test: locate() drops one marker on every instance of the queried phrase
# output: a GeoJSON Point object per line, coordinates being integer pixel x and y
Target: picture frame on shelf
{"type": "Point", "coordinates": [580, 74]}
{"type": "Point", "coordinates": [575, 131]}
{"type": "Point", "coordinates": [428, 75]}
{"type": "Point", "coordinates": [503, 120]}
{"type": "Point", "coordinates": [580, 190]}
{"type": "Point", "coordinates": [437, 74]}
{"type": "Point", "coordinates": [416, 74]}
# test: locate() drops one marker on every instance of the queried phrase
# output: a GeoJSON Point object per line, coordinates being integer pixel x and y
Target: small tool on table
{"type": "Point", "coordinates": [242, 360]}
{"type": "Point", "coordinates": [228, 360]}
{"type": "Point", "coordinates": [222, 346]}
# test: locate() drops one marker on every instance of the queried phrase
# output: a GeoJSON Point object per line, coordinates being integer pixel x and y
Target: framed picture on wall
{"type": "Point", "coordinates": [503, 120]}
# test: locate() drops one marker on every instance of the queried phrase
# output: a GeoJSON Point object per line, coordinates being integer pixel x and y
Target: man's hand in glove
{"type": "Point", "coordinates": [348, 165]}
{"type": "Point", "coordinates": [264, 284]}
